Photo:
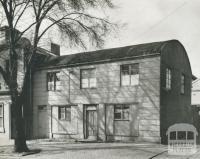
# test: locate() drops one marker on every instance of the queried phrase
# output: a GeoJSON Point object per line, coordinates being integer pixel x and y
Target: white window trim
{"type": "Point", "coordinates": [88, 84]}
{"type": "Point", "coordinates": [129, 76]}
{"type": "Point", "coordinates": [65, 117]}
{"type": "Point", "coordinates": [122, 112]}
{"type": "Point", "coordinates": [2, 129]}
{"type": "Point", "coordinates": [56, 84]}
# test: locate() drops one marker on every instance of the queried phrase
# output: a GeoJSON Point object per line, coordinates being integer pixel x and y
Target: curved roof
{"type": "Point", "coordinates": [107, 55]}
{"type": "Point", "coordinates": [182, 127]}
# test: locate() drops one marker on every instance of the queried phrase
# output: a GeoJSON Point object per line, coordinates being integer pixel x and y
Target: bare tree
{"type": "Point", "coordinates": [73, 18]}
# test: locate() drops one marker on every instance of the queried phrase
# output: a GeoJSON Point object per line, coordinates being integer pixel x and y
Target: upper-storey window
{"type": "Point", "coordinates": [168, 79]}
{"type": "Point", "coordinates": [130, 74]}
{"type": "Point", "coordinates": [182, 83]}
{"type": "Point", "coordinates": [53, 81]}
{"type": "Point", "coordinates": [1, 118]}
{"type": "Point", "coordinates": [88, 78]}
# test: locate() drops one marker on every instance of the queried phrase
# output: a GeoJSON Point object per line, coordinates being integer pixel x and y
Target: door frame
{"type": "Point", "coordinates": [85, 109]}
{"type": "Point", "coordinates": [41, 108]}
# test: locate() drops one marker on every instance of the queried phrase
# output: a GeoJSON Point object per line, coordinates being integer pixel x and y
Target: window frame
{"type": "Point", "coordinates": [88, 78]}
{"type": "Point", "coordinates": [168, 78]}
{"type": "Point", "coordinates": [130, 74]}
{"type": "Point", "coordinates": [182, 83]}
{"type": "Point", "coordinates": [65, 107]}
{"type": "Point", "coordinates": [122, 111]}
{"type": "Point", "coordinates": [2, 130]}
{"type": "Point", "coordinates": [54, 81]}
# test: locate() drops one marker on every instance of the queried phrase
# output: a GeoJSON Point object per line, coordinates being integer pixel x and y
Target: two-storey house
{"type": "Point", "coordinates": [128, 93]}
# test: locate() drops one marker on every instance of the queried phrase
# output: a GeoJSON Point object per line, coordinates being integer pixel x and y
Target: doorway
{"type": "Point", "coordinates": [91, 122]}
{"type": "Point", "coordinates": [42, 122]}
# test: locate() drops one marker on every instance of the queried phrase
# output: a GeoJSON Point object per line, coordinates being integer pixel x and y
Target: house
{"type": "Point", "coordinates": [6, 112]}
{"type": "Point", "coordinates": [127, 93]}
{"type": "Point", "coordinates": [196, 93]}
{"type": "Point", "coordinates": [196, 105]}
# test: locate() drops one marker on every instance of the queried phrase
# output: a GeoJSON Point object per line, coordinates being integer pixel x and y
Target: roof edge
{"type": "Point", "coordinates": [95, 62]}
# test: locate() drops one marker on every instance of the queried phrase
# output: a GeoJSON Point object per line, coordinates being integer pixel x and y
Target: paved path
{"type": "Point", "coordinates": [62, 150]}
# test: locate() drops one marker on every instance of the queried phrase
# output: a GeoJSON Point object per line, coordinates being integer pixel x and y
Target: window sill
{"type": "Point", "coordinates": [121, 119]}
{"type": "Point", "coordinates": [63, 133]}
{"type": "Point", "coordinates": [64, 120]}
{"type": "Point", "coordinates": [89, 88]}
{"type": "Point", "coordinates": [54, 90]}
{"type": "Point", "coordinates": [129, 85]}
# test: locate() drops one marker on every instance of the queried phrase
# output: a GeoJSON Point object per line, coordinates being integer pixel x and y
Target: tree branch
{"type": "Point", "coordinates": [22, 12]}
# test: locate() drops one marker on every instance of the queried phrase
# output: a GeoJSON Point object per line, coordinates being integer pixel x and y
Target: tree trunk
{"type": "Point", "coordinates": [20, 136]}
{"type": "Point", "coordinates": [17, 98]}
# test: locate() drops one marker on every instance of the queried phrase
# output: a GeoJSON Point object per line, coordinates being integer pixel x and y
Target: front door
{"type": "Point", "coordinates": [42, 121]}
{"type": "Point", "coordinates": [91, 122]}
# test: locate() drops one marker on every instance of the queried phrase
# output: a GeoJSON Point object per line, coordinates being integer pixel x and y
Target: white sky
{"type": "Point", "coordinates": [145, 21]}
{"type": "Point", "coordinates": [158, 20]}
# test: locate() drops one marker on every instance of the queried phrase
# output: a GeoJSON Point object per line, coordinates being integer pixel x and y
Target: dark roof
{"type": "Point", "coordinates": [106, 55]}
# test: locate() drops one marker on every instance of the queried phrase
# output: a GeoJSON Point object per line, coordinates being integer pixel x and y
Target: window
{"type": "Point", "coordinates": [190, 135]}
{"type": "Point", "coordinates": [121, 112]}
{"type": "Point", "coordinates": [1, 118]}
{"type": "Point", "coordinates": [173, 135]}
{"type": "Point", "coordinates": [88, 78]}
{"type": "Point", "coordinates": [168, 79]}
{"type": "Point", "coordinates": [182, 84]}
{"type": "Point", "coordinates": [42, 107]}
{"type": "Point", "coordinates": [181, 135]}
{"type": "Point", "coordinates": [53, 81]}
{"type": "Point", "coordinates": [64, 113]}
{"type": "Point", "coordinates": [55, 49]}
{"type": "Point", "coordinates": [130, 74]}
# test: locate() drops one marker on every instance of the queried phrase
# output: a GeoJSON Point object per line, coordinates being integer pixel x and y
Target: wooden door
{"type": "Point", "coordinates": [91, 123]}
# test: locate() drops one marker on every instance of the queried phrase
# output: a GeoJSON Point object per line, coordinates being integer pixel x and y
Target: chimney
{"type": "Point", "coordinates": [4, 34]}
{"type": "Point", "coordinates": [55, 49]}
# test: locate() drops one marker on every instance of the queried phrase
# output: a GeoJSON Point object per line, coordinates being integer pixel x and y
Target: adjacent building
{"type": "Point", "coordinates": [196, 105]}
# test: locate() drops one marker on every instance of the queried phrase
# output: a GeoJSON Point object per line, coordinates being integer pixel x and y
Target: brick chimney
{"type": "Point", "coordinates": [4, 34]}
{"type": "Point", "coordinates": [55, 49]}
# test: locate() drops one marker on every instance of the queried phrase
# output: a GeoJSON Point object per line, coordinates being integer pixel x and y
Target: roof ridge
{"type": "Point", "coordinates": [107, 55]}
{"type": "Point", "coordinates": [105, 49]}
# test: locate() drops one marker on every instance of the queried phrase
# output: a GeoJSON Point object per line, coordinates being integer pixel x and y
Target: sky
{"type": "Point", "coordinates": [143, 21]}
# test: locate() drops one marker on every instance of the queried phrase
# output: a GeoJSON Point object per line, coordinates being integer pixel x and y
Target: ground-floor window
{"type": "Point", "coordinates": [64, 119]}
{"type": "Point", "coordinates": [1, 118]}
{"type": "Point", "coordinates": [64, 113]}
{"type": "Point", "coordinates": [121, 112]}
